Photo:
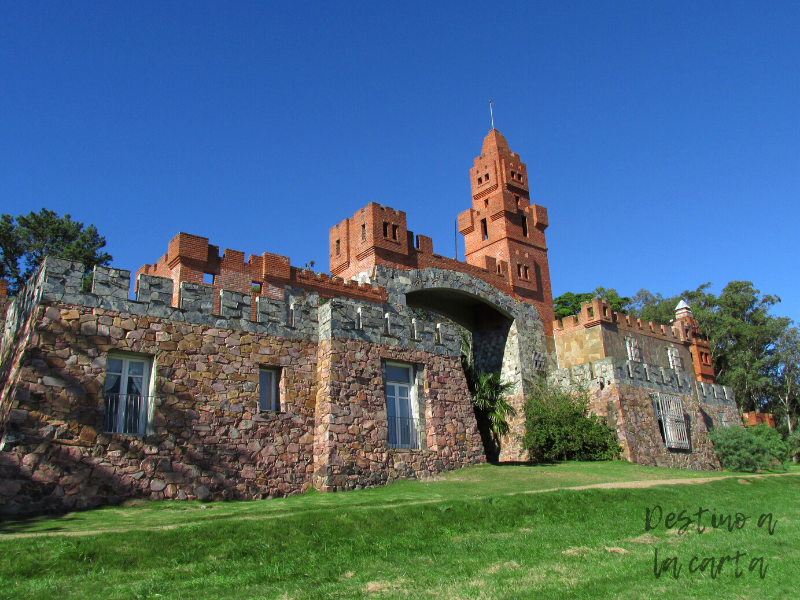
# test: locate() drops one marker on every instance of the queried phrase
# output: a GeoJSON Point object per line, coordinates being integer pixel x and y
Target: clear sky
{"type": "Point", "coordinates": [663, 138]}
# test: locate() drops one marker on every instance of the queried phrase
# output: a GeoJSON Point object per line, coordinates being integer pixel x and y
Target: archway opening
{"type": "Point", "coordinates": [491, 346]}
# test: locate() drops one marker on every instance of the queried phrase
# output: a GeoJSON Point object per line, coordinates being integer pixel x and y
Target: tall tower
{"type": "Point", "coordinates": [503, 225]}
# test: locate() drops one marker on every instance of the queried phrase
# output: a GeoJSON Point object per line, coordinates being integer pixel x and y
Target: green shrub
{"type": "Point", "coordinates": [750, 449]}
{"type": "Point", "coordinates": [558, 427]}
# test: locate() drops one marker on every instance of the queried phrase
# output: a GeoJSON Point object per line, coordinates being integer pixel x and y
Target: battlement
{"type": "Point", "coordinates": [599, 311]}
{"type": "Point", "coordinates": [189, 258]}
{"type": "Point", "coordinates": [298, 314]}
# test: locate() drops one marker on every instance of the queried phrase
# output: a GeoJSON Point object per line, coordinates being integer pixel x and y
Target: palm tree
{"type": "Point", "coordinates": [492, 409]}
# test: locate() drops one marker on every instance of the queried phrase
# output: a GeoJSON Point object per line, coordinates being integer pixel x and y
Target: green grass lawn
{"type": "Point", "coordinates": [478, 533]}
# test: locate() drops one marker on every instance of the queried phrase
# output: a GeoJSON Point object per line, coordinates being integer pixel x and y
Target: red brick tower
{"type": "Point", "coordinates": [504, 229]}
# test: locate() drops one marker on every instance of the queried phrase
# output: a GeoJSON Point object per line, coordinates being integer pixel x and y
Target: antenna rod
{"type": "Point", "coordinates": [491, 113]}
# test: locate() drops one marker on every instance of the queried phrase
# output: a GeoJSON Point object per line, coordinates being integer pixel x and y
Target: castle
{"type": "Point", "coordinates": [272, 379]}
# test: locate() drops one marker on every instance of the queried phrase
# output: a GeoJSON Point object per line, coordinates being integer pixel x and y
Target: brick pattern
{"type": "Point", "coordinates": [751, 419]}
{"type": "Point", "coordinates": [513, 258]}
{"type": "Point", "coordinates": [189, 257]}
{"type": "Point", "coordinates": [570, 331]}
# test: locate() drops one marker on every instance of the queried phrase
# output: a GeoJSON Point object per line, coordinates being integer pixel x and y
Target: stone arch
{"type": "Point", "coordinates": [507, 333]}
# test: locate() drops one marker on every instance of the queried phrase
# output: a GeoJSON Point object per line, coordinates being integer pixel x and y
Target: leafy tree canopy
{"type": "Point", "coordinates": [754, 352]}
{"type": "Point", "coordinates": [743, 336]}
{"type": "Point", "coordinates": [25, 243]}
{"type": "Point", "coordinates": [570, 303]}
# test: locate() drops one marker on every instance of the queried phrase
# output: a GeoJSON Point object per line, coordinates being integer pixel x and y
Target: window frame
{"type": "Point", "coordinates": [671, 420]}
{"type": "Point", "coordinates": [275, 404]}
{"type": "Point", "coordinates": [121, 420]}
{"type": "Point", "coordinates": [413, 432]}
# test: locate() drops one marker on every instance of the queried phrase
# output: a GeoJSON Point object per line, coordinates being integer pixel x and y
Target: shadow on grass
{"type": "Point", "coordinates": [520, 463]}
{"type": "Point", "coordinates": [29, 524]}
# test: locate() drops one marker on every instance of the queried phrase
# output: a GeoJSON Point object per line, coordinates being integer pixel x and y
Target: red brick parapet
{"type": "Point", "coordinates": [752, 419]}
{"type": "Point", "coordinates": [189, 257]}
{"type": "Point", "coordinates": [684, 330]}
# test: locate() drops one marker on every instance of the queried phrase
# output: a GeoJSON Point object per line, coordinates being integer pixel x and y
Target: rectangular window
{"type": "Point", "coordinates": [126, 394]}
{"type": "Point", "coordinates": [363, 232]}
{"type": "Point", "coordinates": [675, 361]}
{"type": "Point", "coordinates": [394, 232]}
{"type": "Point", "coordinates": [338, 247]}
{"type": "Point", "coordinates": [484, 230]}
{"type": "Point", "coordinates": [669, 412]}
{"type": "Point", "coordinates": [385, 229]}
{"type": "Point", "coordinates": [268, 396]}
{"type": "Point", "coordinates": [402, 426]}
{"type": "Point", "coordinates": [633, 349]}
{"type": "Point", "coordinates": [524, 226]}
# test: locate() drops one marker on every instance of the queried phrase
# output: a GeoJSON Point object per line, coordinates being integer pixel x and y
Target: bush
{"type": "Point", "coordinates": [750, 449]}
{"type": "Point", "coordinates": [558, 427]}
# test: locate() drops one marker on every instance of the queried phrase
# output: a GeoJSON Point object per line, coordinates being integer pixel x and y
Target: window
{"type": "Point", "coordinates": [385, 229]}
{"type": "Point", "coordinates": [633, 349]}
{"type": "Point", "coordinates": [268, 397]}
{"type": "Point", "coordinates": [524, 226]}
{"type": "Point", "coordinates": [402, 426]}
{"type": "Point", "coordinates": [363, 232]}
{"type": "Point", "coordinates": [127, 394]}
{"type": "Point", "coordinates": [394, 232]}
{"type": "Point", "coordinates": [669, 412]}
{"type": "Point", "coordinates": [675, 360]}
{"type": "Point", "coordinates": [480, 180]}
{"type": "Point", "coordinates": [484, 230]}
{"type": "Point", "coordinates": [338, 247]}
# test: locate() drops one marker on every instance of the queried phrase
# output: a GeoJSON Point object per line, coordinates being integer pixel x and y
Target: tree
{"type": "Point", "coordinates": [558, 426]}
{"type": "Point", "coordinates": [787, 372]}
{"type": "Point", "coordinates": [569, 303]}
{"type": "Point", "coordinates": [492, 410]}
{"type": "Point", "coordinates": [25, 244]}
{"type": "Point", "coordinates": [653, 307]}
{"type": "Point", "coordinates": [742, 336]}
{"type": "Point", "coordinates": [10, 251]}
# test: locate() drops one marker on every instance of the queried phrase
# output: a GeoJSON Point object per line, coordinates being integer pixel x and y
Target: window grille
{"type": "Point", "coordinates": [669, 411]}
{"type": "Point", "coordinates": [539, 361]}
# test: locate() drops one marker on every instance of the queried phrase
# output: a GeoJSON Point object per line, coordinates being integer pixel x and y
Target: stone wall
{"type": "Point", "coordinates": [206, 437]}
{"type": "Point", "coordinates": [351, 435]}
{"type": "Point", "coordinates": [621, 392]}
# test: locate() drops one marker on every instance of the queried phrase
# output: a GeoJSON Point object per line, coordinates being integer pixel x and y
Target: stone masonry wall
{"type": "Point", "coordinates": [206, 437]}
{"type": "Point", "coordinates": [351, 433]}
{"type": "Point", "coordinates": [207, 440]}
{"type": "Point", "coordinates": [621, 392]}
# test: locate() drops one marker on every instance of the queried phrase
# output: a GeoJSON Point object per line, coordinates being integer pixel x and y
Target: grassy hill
{"type": "Point", "coordinates": [484, 532]}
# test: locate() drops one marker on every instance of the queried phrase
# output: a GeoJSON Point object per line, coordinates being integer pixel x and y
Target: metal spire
{"type": "Point", "coordinates": [491, 114]}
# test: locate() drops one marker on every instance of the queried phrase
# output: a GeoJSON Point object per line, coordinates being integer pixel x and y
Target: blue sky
{"type": "Point", "coordinates": [663, 138]}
